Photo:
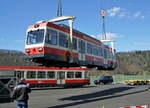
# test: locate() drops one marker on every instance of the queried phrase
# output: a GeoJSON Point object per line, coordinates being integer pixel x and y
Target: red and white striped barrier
{"type": "Point", "coordinates": [140, 106]}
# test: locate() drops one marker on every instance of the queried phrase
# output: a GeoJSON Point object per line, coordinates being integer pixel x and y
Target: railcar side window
{"type": "Point", "coordinates": [89, 48]}
{"type": "Point", "coordinates": [51, 37]}
{"type": "Point", "coordinates": [105, 53]}
{"type": "Point", "coordinates": [95, 50]}
{"type": "Point", "coordinates": [87, 75]}
{"type": "Point", "coordinates": [34, 37]}
{"type": "Point", "coordinates": [100, 52]}
{"type": "Point", "coordinates": [74, 43]}
{"type": "Point", "coordinates": [41, 74]}
{"type": "Point", "coordinates": [70, 74]}
{"type": "Point", "coordinates": [63, 41]}
{"type": "Point", "coordinates": [31, 74]}
{"type": "Point", "coordinates": [108, 54]}
{"type": "Point", "coordinates": [81, 46]}
{"type": "Point", "coordinates": [78, 74]}
{"type": "Point", "coordinates": [51, 74]}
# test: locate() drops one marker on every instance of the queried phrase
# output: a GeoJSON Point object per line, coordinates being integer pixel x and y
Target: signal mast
{"type": "Point", "coordinates": [104, 37]}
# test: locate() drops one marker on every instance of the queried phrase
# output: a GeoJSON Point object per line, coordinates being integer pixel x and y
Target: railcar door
{"type": "Point", "coordinates": [105, 58]}
{"type": "Point", "coordinates": [61, 78]}
{"type": "Point", "coordinates": [81, 49]}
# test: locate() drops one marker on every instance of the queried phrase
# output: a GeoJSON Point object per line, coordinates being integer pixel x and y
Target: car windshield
{"type": "Point", "coordinates": [34, 37]}
{"type": "Point", "coordinates": [102, 77]}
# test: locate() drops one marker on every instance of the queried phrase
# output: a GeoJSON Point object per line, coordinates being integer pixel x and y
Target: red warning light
{"type": "Point", "coordinates": [103, 12]}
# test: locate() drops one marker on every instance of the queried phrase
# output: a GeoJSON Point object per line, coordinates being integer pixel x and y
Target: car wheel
{"type": "Point", "coordinates": [101, 83]}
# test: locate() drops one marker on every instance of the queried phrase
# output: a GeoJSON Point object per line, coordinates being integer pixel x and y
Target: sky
{"type": "Point", "coordinates": [126, 22]}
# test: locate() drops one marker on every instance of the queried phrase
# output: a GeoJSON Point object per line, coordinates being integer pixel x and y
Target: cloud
{"type": "Point", "coordinates": [113, 12]}
{"type": "Point", "coordinates": [109, 35]}
{"type": "Point", "coordinates": [142, 16]}
{"type": "Point", "coordinates": [19, 41]}
{"type": "Point", "coordinates": [123, 13]}
{"type": "Point", "coordinates": [141, 43]}
{"type": "Point", "coordinates": [137, 14]}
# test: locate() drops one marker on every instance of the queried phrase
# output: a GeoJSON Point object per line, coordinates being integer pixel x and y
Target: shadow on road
{"type": "Point", "coordinates": [97, 96]}
{"type": "Point", "coordinates": [53, 88]}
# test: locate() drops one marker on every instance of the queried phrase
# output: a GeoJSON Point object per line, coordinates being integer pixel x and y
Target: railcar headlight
{"type": "Point", "coordinates": [40, 49]}
{"type": "Point", "coordinates": [27, 50]}
{"type": "Point", "coordinates": [36, 26]}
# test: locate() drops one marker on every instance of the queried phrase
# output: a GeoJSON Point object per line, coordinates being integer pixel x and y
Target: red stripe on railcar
{"type": "Point", "coordinates": [106, 46]}
{"type": "Point", "coordinates": [39, 25]}
{"type": "Point", "coordinates": [75, 55]}
{"type": "Point", "coordinates": [41, 81]}
{"type": "Point", "coordinates": [58, 27]}
{"type": "Point", "coordinates": [109, 62]}
{"type": "Point", "coordinates": [99, 59]}
{"type": "Point", "coordinates": [55, 51]}
{"type": "Point", "coordinates": [49, 50]}
{"type": "Point", "coordinates": [77, 81]}
{"type": "Point", "coordinates": [89, 58]}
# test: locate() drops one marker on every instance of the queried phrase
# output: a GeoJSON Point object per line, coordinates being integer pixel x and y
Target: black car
{"type": "Point", "coordinates": [104, 80]}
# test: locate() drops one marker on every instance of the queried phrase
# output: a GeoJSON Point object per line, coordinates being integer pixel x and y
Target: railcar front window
{"type": "Point", "coordinates": [34, 37]}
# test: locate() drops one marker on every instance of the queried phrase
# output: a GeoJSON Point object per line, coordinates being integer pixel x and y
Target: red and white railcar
{"type": "Point", "coordinates": [50, 42]}
{"type": "Point", "coordinates": [46, 77]}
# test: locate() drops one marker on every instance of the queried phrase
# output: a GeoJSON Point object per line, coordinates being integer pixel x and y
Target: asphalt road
{"type": "Point", "coordinates": [109, 96]}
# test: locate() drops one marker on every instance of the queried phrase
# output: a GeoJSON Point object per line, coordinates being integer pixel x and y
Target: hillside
{"type": "Point", "coordinates": [129, 63]}
{"type": "Point", "coordinates": [137, 62]}
{"type": "Point", "coordinates": [13, 58]}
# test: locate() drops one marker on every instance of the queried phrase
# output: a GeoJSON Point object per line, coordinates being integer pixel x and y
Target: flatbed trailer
{"type": "Point", "coordinates": [136, 82]}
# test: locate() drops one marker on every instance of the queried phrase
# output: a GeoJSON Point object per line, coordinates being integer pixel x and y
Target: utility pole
{"type": "Point", "coordinates": [104, 37]}
{"type": "Point", "coordinates": [103, 25]}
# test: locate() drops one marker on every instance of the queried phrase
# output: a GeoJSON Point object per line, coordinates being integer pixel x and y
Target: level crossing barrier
{"type": "Point", "coordinates": [139, 106]}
